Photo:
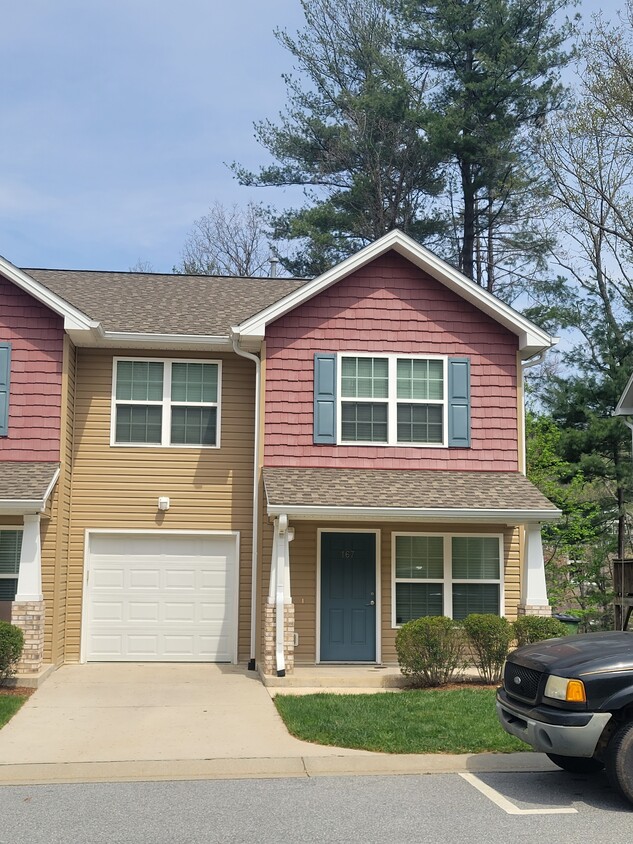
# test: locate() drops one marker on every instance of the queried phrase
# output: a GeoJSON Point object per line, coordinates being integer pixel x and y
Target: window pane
{"type": "Point", "coordinates": [364, 422]}
{"type": "Point", "coordinates": [475, 597]}
{"type": "Point", "coordinates": [475, 558]}
{"type": "Point", "coordinates": [138, 380]}
{"type": "Point", "coordinates": [364, 378]}
{"type": "Point", "coordinates": [420, 423]}
{"type": "Point", "coordinates": [420, 379]}
{"type": "Point", "coordinates": [193, 425]}
{"type": "Point", "coordinates": [420, 556]}
{"type": "Point", "coordinates": [136, 424]}
{"type": "Point", "coordinates": [413, 600]}
{"type": "Point", "coordinates": [194, 382]}
{"type": "Point", "coordinates": [8, 588]}
{"type": "Point", "coordinates": [10, 549]}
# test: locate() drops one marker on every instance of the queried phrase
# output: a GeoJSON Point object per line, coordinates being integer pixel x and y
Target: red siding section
{"type": "Point", "coordinates": [36, 335]}
{"type": "Point", "coordinates": [390, 306]}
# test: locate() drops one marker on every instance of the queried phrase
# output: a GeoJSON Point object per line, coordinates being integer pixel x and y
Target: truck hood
{"type": "Point", "coordinates": [573, 656]}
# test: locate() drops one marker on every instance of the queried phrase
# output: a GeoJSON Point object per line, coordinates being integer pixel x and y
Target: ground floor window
{"type": "Point", "coordinates": [453, 575]}
{"type": "Point", "coordinates": [10, 549]}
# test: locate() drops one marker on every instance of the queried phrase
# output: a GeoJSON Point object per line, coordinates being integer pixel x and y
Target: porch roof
{"type": "Point", "coordinates": [26, 487]}
{"type": "Point", "coordinates": [315, 493]}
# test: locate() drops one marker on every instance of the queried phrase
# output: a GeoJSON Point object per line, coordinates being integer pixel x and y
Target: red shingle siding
{"type": "Point", "coordinates": [36, 335]}
{"type": "Point", "coordinates": [390, 306]}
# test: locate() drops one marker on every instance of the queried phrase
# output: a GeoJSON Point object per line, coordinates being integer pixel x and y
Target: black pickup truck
{"type": "Point", "coordinates": [572, 698]}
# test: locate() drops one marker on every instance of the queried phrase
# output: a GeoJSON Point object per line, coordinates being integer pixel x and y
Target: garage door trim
{"type": "Point", "coordinates": [85, 602]}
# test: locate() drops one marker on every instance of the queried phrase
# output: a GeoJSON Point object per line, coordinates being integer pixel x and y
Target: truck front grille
{"type": "Point", "coordinates": [521, 682]}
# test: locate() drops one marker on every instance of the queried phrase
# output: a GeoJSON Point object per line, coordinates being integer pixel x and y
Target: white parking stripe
{"type": "Point", "coordinates": [508, 807]}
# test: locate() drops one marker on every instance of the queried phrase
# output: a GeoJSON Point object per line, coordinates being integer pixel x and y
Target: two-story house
{"type": "Point", "coordinates": [262, 470]}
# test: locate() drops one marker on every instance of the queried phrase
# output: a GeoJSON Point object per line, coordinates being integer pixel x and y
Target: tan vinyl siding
{"type": "Point", "coordinates": [118, 487]}
{"type": "Point", "coordinates": [303, 575]}
{"type": "Point", "coordinates": [55, 531]}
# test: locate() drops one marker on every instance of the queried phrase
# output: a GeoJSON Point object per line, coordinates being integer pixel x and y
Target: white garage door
{"type": "Point", "coordinates": [163, 598]}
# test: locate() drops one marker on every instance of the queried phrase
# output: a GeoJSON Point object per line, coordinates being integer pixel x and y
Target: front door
{"type": "Point", "coordinates": [348, 597]}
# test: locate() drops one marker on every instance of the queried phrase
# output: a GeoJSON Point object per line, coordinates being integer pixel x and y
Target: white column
{"type": "Point", "coordinates": [30, 574]}
{"type": "Point", "coordinates": [534, 591]}
{"type": "Point", "coordinates": [281, 529]}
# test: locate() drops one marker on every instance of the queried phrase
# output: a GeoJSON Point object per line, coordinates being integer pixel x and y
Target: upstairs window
{"type": "Point", "coordinates": [392, 400]}
{"type": "Point", "coordinates": [166, 403]}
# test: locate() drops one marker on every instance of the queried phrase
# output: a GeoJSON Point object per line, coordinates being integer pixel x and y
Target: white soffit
{"type": "Point", "coordinates": [532, 339]}
{"type": "Point", "coordinates": [625, 406]}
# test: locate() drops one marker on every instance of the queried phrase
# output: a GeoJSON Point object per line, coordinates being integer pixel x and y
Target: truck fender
{"type": "Point", "coordinates": [620, 700]}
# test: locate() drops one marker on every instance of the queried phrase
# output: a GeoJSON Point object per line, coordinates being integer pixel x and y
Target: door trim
{"type": "Point", "coordinates": [376, 533]}
{"type": "Point", "coordinates": [85, 599]}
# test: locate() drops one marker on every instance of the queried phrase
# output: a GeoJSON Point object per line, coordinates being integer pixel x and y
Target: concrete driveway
{"type": "Point", "coordinates": [174, 721]}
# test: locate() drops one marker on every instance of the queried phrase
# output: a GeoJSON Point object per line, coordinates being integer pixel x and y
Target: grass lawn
{"type": "Point", "coordinates": [9, 705]}
{"type": "Point", "coordinates": [422, 721]}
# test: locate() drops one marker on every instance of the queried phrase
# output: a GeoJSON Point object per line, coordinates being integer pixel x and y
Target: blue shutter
{"type": "Point", "coordinates": [459, 402]}
{"type": "Point", "coordinates": [5, 371]}
{"type": "Point", "coordinates": [325, 399]}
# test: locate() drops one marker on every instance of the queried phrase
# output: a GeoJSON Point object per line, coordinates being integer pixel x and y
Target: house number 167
{"type": "Point", "coordinates": [347, 554]}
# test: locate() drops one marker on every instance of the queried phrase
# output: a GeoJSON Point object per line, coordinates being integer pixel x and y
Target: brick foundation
{"type": "Point", "coordinates": [534, 609]}
{"type": "Point", "coordinates": [29, 617]}
{"type": "Point", "coordinates": [270, 616]}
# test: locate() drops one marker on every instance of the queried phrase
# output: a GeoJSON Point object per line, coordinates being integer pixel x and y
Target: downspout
{"type": "Point", "coordinates": [535, 360]}
{"type": "Point", "coordinates": [255, 548]}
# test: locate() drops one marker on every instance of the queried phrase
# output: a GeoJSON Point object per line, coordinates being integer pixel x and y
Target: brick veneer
{"type": "Point", "coordinates": [29, 617]}
{"type": "Point", "coordinates": [534, 609]}
{"type": "Point", "coordinates": [270, 616]}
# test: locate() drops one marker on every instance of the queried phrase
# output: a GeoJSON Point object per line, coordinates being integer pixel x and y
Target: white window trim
{"type": "Point", "coordinates": [165, 403]}
{"type": "Point", "coordinates": [8, 575]}
{"type": "Point", "coordinates": [448, 580]}
{"type": "Point", "coordinates": [392, 400]}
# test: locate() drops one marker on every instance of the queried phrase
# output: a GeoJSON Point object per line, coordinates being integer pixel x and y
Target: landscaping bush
{"type": "Point", "coordinates": [490, 637]}
{"type": "Point", "coordinates": [11, 645]}
{"type": "Point", "coordinates": [534, 628]}
{"type": "Point", "coordinates": [430, 650]}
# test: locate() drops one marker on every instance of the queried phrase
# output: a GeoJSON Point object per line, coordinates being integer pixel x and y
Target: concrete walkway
{"type": "Point", "coordinates": [116, 722]}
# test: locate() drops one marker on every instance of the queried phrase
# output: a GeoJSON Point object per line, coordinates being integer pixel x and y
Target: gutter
{"type": "Point", "coordinates": [489, 516]}
{"type": "Point", "coordinates": [255, 529]}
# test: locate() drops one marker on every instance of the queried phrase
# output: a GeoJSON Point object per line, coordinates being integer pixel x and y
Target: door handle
{"type": "Point", "coordinates": [370, 604]}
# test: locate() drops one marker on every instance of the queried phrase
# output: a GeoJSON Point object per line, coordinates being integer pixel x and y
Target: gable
{"type": "Point", "coordinates": [390, 308]}
{"type": "Point", "coordinates": [531, 339]}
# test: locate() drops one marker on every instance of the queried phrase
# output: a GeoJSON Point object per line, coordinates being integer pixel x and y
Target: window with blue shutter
{"type": "Point", "coordinates": [459, 402]}
{"type": "Point", "coordinates": [325, 399]}
{"type": "Point", "coordinates": [5, 371]}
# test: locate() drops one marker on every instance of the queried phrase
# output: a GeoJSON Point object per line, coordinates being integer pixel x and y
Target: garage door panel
{"type": "Point", "coordinates": [147, 601]}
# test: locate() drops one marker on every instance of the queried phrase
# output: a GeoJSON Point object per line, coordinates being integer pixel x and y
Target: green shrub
{"type": "Point", "coordinates": [11, 645]}
{"type": "Point", "coordinates": [534, 628]}
{"type": "Point", "coordinates": [489, 637]}
{"type": "Point", "coordinates": [430, 650]}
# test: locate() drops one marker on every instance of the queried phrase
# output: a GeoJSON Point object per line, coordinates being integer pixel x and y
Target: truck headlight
{"type": "Point", "coordinates": [561, 688]}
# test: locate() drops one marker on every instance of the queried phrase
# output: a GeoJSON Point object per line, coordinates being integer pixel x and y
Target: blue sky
{"type": "Point", "coordinates": [119, 117]}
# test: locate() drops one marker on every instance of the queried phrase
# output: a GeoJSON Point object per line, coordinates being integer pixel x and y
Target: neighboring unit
{"type": "Point", "coordinates": [262, 470]}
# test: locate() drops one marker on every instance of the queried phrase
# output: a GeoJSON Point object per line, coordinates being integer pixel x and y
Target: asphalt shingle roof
{"type": "Point", "coordinates": [407, 489]}
{"type": "Point", "coordinates": [164, 304]}
{"type": "Point", "coordinates": [25, 481]}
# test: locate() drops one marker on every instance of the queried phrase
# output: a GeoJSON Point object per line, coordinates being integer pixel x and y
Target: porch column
{"type": "Point", "coordinates": [27, 611]}
{"type": "Point", "coordinates": [534, 591]}
{"type": "Point", "coordinates": [279, 611]}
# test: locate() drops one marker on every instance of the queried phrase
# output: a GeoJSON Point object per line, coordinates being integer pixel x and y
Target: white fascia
{"type": "Point", "coordinates": [424, 514]}
{"type": "Point", "coordinates": [625, 406]}
{"type": "Point", "coordinates": [532, 339]}
{"type": "Point", "coordinates": [74, 320]}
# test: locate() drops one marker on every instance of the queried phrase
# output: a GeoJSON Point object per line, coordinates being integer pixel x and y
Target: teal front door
{"type": "Point", "coordinates": [348, 597]}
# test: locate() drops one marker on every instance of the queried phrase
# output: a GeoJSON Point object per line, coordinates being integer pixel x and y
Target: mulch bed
{"type": "Point", "coordinates": [15, 691]}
